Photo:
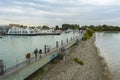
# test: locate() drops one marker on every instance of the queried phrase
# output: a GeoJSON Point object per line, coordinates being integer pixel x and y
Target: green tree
{"type": "Point", "coordinates": [102, 28]}
{"type": "Point", "coordinates": [45, 27]}
{"type": "Point", "coordinates": [56, 27]}
{"type": "Point", "coordinates": [65, 26]}
{"type": "Point", "coordinates": [21, 25]}
{"type": "Point", "coordinates": [88, 34]}
{"type": "Point", "coordinates": [84, 27]}
{"type": "Point", "coordinates": [70, 26]}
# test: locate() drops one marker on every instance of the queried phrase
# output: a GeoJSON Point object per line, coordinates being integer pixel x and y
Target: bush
{"type": "Point", "coordinates": [86, 36]}
{"type": "Point", "coordinates": [89, 32]}
{"type": "Point", "coordinates": [78, 61]}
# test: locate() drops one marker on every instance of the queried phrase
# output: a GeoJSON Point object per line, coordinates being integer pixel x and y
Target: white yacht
{"type": "Point", "coordinates": [21, 31]}
{"type": "Point", "coordinates": [30, 31]}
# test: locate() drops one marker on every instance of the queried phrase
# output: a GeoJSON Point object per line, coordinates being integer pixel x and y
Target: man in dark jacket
{"type": "Point", "coordinates": [36, 53]}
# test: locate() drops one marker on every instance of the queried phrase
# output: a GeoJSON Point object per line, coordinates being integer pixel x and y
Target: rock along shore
{"type": "Point", "coordinates": [94, 67]}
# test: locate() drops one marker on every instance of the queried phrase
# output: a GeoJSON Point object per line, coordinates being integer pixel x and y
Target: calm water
{"type": "Point", "coordinates": [14, 48]}
{"type": "Point", "coordinates": [109, 44]}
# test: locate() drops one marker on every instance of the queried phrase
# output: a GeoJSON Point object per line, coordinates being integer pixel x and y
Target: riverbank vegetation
{"type": "Point", "coordinates": [102, 28]}
{"type": "Point", "coordinates": [78, 61]}
{"type": "Point", "coordinates": [89, 32]}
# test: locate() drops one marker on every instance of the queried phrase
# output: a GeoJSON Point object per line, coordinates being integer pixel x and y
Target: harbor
{"type": "Point", "coordinates": [65, 40]}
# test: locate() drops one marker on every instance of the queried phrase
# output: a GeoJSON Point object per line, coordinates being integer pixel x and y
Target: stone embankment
{"type": "Point", "coordinates": [94, 67]}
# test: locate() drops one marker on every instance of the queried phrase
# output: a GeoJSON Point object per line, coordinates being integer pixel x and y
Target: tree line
{"type": "Point", "coordinates": [102, 28]}
{"type": "Point", "coordinates": [64, 27]}
{"type": "Point", "coordinates": [76, 26]}
{"type": "Point", "coordinates": [95, 28]}
{"type": "Point", "coordinates": [70, 26]}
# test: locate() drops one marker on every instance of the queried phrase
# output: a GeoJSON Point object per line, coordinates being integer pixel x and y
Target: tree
{"type": "Point", "coordinates": [21, 25]}
{"type": "Point", "coordinates": [65, 26]}
{"type": "Point", "coordinates": [45, 27]}
{"type": "Point", "coordinates": [84, 27]}
{"type": "Point", "coordinates": [89, 32]}
{"type": "Point", "coordinates": [70, 26]}
{"type": "Point", "coordinates": [56, 27]}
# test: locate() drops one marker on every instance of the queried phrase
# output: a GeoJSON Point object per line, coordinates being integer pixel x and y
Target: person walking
{"type": "Point", "coordinates": [36, 53]}
{"type": "Point", "coordinates": [40, 53]}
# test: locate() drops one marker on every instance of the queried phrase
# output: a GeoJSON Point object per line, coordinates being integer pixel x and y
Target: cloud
{"type": "Point", "coordinates": [54, 12]}
{"type": "Point", "coordinates": [11, 10]}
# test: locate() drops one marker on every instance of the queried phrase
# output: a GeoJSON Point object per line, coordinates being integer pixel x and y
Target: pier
{"type": "Point", "coordinates": [26, 68]}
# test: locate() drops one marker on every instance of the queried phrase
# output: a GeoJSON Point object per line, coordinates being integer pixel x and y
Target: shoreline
{"type": "Point", "coordinates": [94, 68]}
{"type": "Point", "coordinates": [107, 72]}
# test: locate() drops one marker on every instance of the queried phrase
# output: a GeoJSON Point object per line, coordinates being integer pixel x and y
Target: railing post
{"type": "Point", "coordinates": [57, 44]}
{"type": "Point", "coordinates": [67, 40]}
{"type": "Point", "coordinates": [1, 67]}
{"type": "Point", "coordinates": [62, 42]}
{"type": "Point", "coordinates": [45, 49]}
{"type": "Point", "coordinates": [71, 38]}
{"type": "Point", "coordinates": [76, 37]}
{"type": "Point", "coordinates": [48, 50]}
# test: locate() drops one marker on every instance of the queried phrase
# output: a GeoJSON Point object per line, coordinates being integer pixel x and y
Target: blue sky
{"type": "Point", "coordinates": [57, 12]}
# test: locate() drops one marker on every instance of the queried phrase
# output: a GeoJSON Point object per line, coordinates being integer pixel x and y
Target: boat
{"type": "Point", "coordinates": [27, 31]}
{"type": "Point", "coordinates": [21, 31]}
{"type": "Point", "coordinates": [68, 31]}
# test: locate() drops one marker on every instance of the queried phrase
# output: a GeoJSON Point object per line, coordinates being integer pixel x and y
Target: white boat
{"type": "Point", "coordinates": [21, 31]}
{"type": "Point", "coordinates": [29, 31]}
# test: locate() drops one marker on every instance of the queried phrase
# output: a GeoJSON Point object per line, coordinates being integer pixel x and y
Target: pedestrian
{"type": "Point", "coordinates": [40, 53]}
{"type": "Point", "coordinates": [36, 53]}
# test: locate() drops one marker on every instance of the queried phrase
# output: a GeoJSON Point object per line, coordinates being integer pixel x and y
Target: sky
{"type": "Point", "coordinates": [57, 12]}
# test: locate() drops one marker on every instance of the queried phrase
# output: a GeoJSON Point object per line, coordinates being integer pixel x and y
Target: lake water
{"type": "Point", "coordinates": [109, 45]}
{"type": "Point", "coordinates": [14, 48]}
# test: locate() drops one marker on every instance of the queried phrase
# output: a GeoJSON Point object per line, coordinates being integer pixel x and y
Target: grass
{"type": "Point", "coordinates": [78, 61]}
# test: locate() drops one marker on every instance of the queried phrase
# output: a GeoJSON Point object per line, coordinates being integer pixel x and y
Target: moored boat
{"type": "Point", "coordinates": [27, 31]}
